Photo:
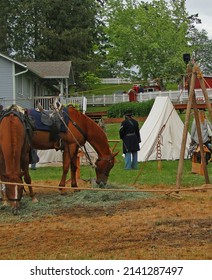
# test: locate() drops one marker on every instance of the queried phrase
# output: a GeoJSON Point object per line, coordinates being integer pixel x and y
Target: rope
{"type": "Point", "coordinates": [167, 191]}
{"type": "Point", "coordinates": [83, 148]}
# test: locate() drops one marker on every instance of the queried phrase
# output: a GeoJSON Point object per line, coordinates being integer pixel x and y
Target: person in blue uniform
{"type": "Point", "coordinates": [130, 135]}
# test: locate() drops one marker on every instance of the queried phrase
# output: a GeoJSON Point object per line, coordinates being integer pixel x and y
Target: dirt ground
{"type": "Point", "coordinates": [156, 228]}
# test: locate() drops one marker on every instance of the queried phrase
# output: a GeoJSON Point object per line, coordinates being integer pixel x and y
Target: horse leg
{"type": "Point", "coordinates": [28, 181]}
{"type": "Point", "coordinates": [69, 157]}
{"type": "Point", "coordinates": [4, 199]}
{"type": "Point", "coordinates": [74, 169]}
{"type": "Point", "coordinates": [5, 202]}
{"type": "Point", "coordinates": [27, 178]}
{"type": "Point", "coordinates": [66, 166]}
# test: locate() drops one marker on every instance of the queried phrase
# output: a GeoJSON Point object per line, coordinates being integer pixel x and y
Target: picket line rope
{"type": "Point", "coordinates": [168, 191]}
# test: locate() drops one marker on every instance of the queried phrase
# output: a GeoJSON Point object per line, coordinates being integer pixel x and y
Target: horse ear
{"type": "Point", "coordinates": [115, 154]}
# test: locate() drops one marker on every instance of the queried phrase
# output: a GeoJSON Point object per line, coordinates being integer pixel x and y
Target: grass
{"type": "Point", "coordinates": [50, 204]}
{"type": "Point", "coordinates": [101, 89]}
{"type": "Point", "coordinates": [147, 175]}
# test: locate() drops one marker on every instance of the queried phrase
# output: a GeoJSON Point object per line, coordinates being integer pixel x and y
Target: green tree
{"type": "Point", "coordinates": [53, 30]}
{"type": "Point", "coordinates": [201, 50]}
{"type": "Point", "coordinates": [151, 36]}
{"type": "Point", "coordinates": [4, 46]}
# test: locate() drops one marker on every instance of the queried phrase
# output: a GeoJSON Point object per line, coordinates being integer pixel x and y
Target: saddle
{"type": "Point", "coordinates": [48, 120]}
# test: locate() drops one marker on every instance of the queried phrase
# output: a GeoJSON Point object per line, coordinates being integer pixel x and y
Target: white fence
{"type": "Point", "coordinates": [115, 81]}
{"type": "Point", "coordinates": [175, 97]}
{"type": "Point", "coordinates": [105, 100]}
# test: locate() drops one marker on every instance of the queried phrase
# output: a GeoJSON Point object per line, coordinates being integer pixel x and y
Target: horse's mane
{"type": "Point", "coordinates": [87, 121]}
{"type": "Point", "coordinates": [95, 134]}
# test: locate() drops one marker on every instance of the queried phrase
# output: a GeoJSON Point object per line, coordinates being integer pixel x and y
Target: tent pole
{"type": "Point", "coordinates": [185, 130]}
{"type": "Point", "coordinates": [204, 90]}
{"type": "Point", "coordinates": [192, 100]}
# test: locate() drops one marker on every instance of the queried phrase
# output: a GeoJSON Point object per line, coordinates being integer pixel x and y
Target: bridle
{"type": "Point", "coordinates": [15, 199]}
{"type": "Point", "coordinates": [109, 160]}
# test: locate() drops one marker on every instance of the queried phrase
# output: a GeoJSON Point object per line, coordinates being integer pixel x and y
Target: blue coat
{"type": "Point", "coordinates": [130, 134]}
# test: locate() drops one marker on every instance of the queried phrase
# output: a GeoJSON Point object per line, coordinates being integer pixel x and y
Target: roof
{"type": "Point", "coordinates": [50, 70]}
{"type": "Point", "coordinates": [12, 60]}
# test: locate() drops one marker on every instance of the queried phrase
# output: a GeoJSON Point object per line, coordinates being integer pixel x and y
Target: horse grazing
{"type": "Point", "coordinates": [79, 129]}
{"type": "Point", "coordinates": [14, 157]}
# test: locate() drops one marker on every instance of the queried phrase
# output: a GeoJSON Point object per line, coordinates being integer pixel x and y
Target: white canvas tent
{"type": "Point", "coordinates": [49, 156]}
{"type": "Point", "coordinates": [164, 123]}
{"type": "Point", "coordinates": [53, 156]}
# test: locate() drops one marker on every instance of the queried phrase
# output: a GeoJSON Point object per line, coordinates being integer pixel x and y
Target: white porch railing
{"type": "Point", "coordinates": [80, 102]}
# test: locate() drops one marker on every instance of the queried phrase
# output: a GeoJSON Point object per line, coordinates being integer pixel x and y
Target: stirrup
{"type": "Point", "coordinates": [58, 145]}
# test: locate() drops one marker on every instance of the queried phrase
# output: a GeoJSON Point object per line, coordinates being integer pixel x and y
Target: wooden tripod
{"type": "Point", "coordinates": [193, 72]}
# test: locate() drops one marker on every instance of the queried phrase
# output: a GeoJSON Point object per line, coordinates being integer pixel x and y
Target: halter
{"type": "Point", "coordinates": [14, 199]}
{"type": "Point", "coordinates": [109, 160]}
{"type": "Point", "coordinates": [105, 159]}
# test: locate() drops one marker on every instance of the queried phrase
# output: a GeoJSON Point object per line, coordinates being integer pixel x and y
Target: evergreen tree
{"type": "Point", "coordinates": [52, 30]}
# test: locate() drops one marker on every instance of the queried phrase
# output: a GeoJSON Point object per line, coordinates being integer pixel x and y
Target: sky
{"type": "Point", "coordinates": [204, 9]}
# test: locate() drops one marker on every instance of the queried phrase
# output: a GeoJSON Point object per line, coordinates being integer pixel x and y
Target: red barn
{"type": "Point", "coordinates": [207, 80]}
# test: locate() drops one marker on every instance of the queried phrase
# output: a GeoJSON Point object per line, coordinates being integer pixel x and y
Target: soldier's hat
{"type": "Point", "coordinates": [128, 113]}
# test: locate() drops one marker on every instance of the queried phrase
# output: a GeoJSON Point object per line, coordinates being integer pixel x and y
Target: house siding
{"type": "Point", "coordinates": [6, 82]}
{"type": "Point", "coordinates": [23, 89]}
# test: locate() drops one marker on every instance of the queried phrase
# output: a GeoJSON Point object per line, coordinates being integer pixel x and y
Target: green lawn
{"type": "Point", "coordinates": [147, 175]}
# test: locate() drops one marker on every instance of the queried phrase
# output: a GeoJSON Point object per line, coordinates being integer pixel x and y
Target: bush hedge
{"type": "Point", "coordinates": [139, 109]}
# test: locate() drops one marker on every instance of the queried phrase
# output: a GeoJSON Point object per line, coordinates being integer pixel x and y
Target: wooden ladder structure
{"type": "Point", "coordinates": [193, 72]}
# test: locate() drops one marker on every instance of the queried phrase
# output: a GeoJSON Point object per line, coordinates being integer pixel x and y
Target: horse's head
{"type": "Point", "coordinates": [103, 167]}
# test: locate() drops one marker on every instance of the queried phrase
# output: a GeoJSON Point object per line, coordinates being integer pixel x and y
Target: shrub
{"type": "Point", "coordinates": [139, 109]}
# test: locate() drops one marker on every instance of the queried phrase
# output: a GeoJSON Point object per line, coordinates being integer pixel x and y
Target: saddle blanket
{"type": "Point", "coordinates": [45, 120]}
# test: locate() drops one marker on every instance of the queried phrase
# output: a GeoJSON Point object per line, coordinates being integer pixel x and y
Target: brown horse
{"type": "Point", "coordinates": [80, 129]}
{"type": "Point", "coordinates": [14, 157]}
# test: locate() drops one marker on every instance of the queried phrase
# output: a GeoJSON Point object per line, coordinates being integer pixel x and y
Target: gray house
{"type": "Point", "coordinates": [27, 83]}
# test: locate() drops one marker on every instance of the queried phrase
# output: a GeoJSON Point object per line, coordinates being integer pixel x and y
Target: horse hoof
{"type": "Point", "coordinates": [75, 189]}
{"type": "Point", "coordinates": [63, 191]}
{"type": "Point", "coordinates": [34, 200]}
{"type": "Point", "coordinates": [15, 211]}
{"type": "Point", "coordinates": [3, 207]}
